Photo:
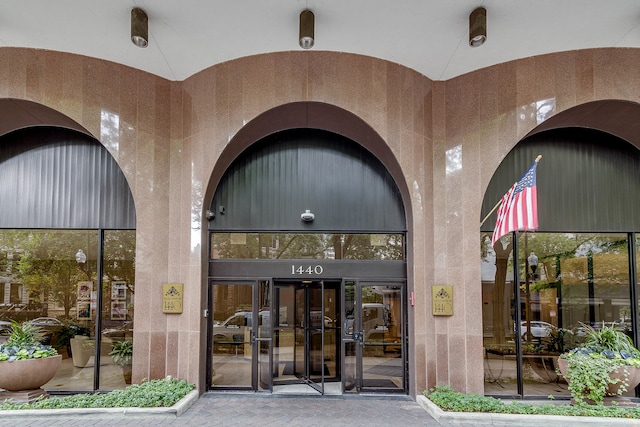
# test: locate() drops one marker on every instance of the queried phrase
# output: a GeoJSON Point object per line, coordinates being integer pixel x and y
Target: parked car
{"type": "Point", "coordinates": [119, 332]}
{"type": "Point", "coordinates": [45, 322]}
{"type": "Point", "coordinates": [539, 329]}
{"type": "Point", "coordinates": [5, 331]}
{"type": "Point", "coordinates": [232, 330]}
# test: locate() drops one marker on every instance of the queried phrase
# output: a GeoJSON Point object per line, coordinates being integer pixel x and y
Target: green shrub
{"type": "Point", "coordinates": [449, 400]}
{"type": "Point", "coordinates": [149, 394]}
{"type": "Point", "coordinates": [25, 343]}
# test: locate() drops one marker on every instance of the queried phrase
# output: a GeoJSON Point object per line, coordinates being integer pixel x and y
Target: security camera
{"type": "Point", "coordinates": [307, 216]}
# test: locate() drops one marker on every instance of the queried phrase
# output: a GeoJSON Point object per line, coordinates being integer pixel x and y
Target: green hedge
{"type": "Point", "coordinates": [149, 394]}
{"type": "Point", "coordinates": [449, 400]}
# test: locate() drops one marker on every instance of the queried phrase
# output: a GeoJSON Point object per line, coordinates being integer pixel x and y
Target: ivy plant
{"type": "Point", "coordinates": [589, 367]}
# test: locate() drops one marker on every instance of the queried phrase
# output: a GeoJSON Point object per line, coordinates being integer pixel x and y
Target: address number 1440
{"type": "Point", "coordinates": [311, 269]}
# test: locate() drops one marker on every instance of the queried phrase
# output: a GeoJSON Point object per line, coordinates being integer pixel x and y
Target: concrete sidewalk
{"type": "Point", "coordinates": [239, 409]}
{"type": "Point", "coordinates": [228, 410]}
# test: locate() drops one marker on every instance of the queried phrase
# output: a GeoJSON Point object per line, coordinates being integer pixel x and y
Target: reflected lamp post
{"type": "Point", "coordinates": [81, 259]}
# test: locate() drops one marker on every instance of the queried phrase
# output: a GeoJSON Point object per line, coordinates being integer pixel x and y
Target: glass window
{"type": "Point", "coordinates": [51, 281]}
{"type": "Point", "coordinates": [307, 246]}
{"type": "Point", "coordinates": [567, 281]}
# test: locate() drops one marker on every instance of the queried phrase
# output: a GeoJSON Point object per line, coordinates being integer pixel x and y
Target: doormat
{"type": "Point", "coordinates": [288, 370]}
{"type": "Point", "coordinates": [378, 383]}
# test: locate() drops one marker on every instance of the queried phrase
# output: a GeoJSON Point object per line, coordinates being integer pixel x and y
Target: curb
{"type": "Point", "coordinates": [482, 418]}
{"type": "Point", "coordinates": [176, 410]}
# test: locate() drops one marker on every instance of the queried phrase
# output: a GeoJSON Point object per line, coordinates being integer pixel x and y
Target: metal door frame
{"type": "Point", "coordinates": [256, 339]}
{"type": "Point", "coordinates": [298, 285]}
{"type": "Point", "coordinates": [358, 337]}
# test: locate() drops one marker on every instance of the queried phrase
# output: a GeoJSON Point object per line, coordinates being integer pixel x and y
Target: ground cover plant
{"type": "Point", "coordinates": [149, 394]}
{"type": "Point", "coordinates": [449, 400]}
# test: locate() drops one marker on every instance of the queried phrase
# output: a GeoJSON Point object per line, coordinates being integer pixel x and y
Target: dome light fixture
{"type": "Point", "coordinates": [139, 27]}
{"type": "Point", "coordinates": [478, 27]}
{"type": "Point", "coordinates": [307, 29]}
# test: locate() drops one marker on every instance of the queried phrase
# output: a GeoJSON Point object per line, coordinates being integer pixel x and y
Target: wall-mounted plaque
{"type": "Point", "coordinates": [172, 298]}
{"type": "Point", "coordinates": [442, 300]}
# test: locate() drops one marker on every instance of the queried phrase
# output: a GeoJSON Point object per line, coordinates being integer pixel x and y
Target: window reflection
{"type": "Point", "coordinates": [49, 278]}
{"type": "Point", "coordinates": [566, 281]}
{"type": "Point", "coordinates": [307, 246]}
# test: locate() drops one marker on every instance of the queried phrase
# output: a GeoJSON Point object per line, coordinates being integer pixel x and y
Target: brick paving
{"type": "Point", "coordinates": [230, 410]}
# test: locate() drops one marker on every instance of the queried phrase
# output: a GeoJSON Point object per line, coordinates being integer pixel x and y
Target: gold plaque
{"type": "Point", "coordinates": [442, 300]}
{"type": "Point", "coordinates": [172, 298]}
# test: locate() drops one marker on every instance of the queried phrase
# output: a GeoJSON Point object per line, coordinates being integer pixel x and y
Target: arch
{"type": "Point", "coordinates": [20, 113]}
{"type": "Point", "coordinates": [276, 179]}
{"type": "Point", "coordinates": [315, 115]}
{"type": "Point", "coordinates": [60, 176]}
{"type": "Point", "coordinates": [592, 148]}
{"type": "Point", "coordinates": [613, 116]}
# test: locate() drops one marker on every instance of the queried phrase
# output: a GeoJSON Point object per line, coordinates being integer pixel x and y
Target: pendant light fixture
{"type": "Point", "coordinates": [307, 29]}
{"type": "Point", "coordinates": [139, 27]}
{"type": "Point", "coordinates": [478, 27]}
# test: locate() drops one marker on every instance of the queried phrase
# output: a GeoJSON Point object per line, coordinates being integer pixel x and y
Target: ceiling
{"type": "Point", "coordinates": [429, 36]}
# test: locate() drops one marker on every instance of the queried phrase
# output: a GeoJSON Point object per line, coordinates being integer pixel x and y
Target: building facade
{"type": "Point", "coordinates": [440, 141]}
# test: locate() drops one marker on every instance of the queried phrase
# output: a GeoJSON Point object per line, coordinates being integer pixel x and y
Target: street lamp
{"type": "Point", "coordinates": [81, 257]}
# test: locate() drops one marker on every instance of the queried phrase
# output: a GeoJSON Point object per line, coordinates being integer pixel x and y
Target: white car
{"type": "Point", "coordinates": [539, 329]}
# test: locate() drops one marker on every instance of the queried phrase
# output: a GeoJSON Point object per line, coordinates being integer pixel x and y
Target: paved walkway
{"type": "Point", "coordinates": [230, 410]}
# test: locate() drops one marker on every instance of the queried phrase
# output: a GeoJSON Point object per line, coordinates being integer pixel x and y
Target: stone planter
{"type": "Point", "coordinates": [630, 372]}
{"type": "Point", "coordinates": [28, 374]}
{"type": "Point", "coordinates": [126, 373]}
{"type": "Point", "coordinates": [544, 365]}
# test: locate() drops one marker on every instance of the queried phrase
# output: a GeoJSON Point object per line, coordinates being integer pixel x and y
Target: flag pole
{"type": "Point", "coordinates": [498, 204]}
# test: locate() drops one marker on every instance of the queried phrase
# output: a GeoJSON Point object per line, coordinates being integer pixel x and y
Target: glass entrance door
{"type": "Point", "coordinates": [240, 335]}
{"type": "Point", "coordinates": [305, 334]}
{"type": "Point", "coordinates": [374, 337]}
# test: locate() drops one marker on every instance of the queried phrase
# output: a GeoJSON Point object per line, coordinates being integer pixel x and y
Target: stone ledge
{"type": "Point", "coordinates": [176, 410]}
{"type": "Point", "coordinates": [482, 418]}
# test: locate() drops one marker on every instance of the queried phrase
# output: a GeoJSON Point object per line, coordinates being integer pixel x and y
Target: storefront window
{"type": "Point", "coordinates": [49, 278]}
{"type": "Point", "coordinates": [567, 281]}
{"type": "Point", "coordinates": [307, 246]}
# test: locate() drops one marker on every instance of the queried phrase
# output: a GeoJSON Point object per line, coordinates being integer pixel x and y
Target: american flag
{"type": "Point", "coordinates": [519, 207]}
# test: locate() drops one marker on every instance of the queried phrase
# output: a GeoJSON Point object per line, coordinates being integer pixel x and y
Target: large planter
{"type": "Point", "coordinates": [631, 373]}
{"type": "Point", "coordinates": [28, 374]}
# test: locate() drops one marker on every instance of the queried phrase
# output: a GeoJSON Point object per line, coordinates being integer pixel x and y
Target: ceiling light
{"type": "Point", "coordinates": [478, 27]}
{"type": "Point", "coordinates": [307, 24]}
{"type": "Point", "coordinates": [139, 27]}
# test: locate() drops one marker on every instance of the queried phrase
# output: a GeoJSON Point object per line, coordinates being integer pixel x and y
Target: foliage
{"type": "Point", "coordinates": [149, 394]}
{"type": "Point", "coordinates": [122, 352]}
{"type": "Point", "coordinates": [608, 338]}
{"type": "Point", "coordinates": [69, 330]}
{"type": "Point", "coordinates": [449, 400]}
{"type": "Point", "coordinates": [589, 367]}
{"type": "Point", "coordinates": [25, 343]}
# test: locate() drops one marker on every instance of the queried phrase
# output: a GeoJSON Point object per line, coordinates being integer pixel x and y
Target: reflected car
{"type": "Point", "coordinates": [5, 331]}
{"type": "Point", "coordinates": [45, 322]}
{"type": "Point", "coordinates": [125, 330]}
{"type": "Point", "coordinates": [232, 330]}
{"type": "Point", "coordinates": [539, 329]}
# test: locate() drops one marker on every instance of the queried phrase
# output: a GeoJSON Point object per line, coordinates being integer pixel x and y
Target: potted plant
{"type": "Point", "coordinates": [25, 363]}
{"type": "Point", "coordinates": [607, 364]}
{"type": "Point", "coordinates": [122, 354]}
{"type": "Point", "coordinates": [69, 330]}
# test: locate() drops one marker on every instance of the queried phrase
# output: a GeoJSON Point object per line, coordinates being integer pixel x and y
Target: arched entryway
{"type": "Point", "coordinates": [307, 266]}
{"type": "Point", "coordinates": [67, 243]}
{"type": "Point", "coordinates": [579, 268]}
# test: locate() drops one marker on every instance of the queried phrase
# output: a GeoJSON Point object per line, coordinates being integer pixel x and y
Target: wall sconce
{"type": "Point", "coordinates": [478, 27]}
{"type": "Point", "coordinates": [307, 216]}
{"type": "Point", "coordinates": [139, 27]}
{"type": "Point", "coordinates": [307, 29]}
